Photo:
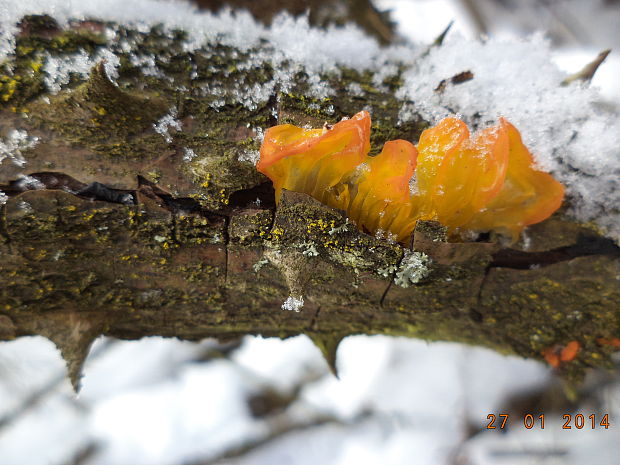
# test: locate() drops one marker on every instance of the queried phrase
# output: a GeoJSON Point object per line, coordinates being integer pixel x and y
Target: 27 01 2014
{"type": "Point", "coordinates": [571, 421]}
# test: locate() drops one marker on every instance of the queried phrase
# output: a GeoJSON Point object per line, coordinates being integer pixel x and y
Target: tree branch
{"type": "Point", "coordinates": [130, 228]}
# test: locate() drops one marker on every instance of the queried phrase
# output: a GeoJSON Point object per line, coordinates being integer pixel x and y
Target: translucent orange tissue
{"type": "Point", "coordinates": [314, 160]}
{"type": "Point", "coordinates": [458, 176]}
{"type": "Point", "coordinates": [379, 196]}
{"type": "Point", "coordinates": [528, 196]}
{"type": "Point", "coordinates": [484, 183]}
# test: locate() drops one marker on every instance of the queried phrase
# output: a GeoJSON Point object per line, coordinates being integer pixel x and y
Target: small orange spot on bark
{"type": "Point", "coordinates": [551, 356]}
{"type": "Point", "coordinates": [615, 342]}
{"type": "Point", "coordinates": [570, 351]}
{"type": "Point", "coordinates": [558, 354]}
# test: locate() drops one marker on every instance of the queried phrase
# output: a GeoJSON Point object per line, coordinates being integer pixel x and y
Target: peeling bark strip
{"type": "Point", "coordinates": [110, 227]}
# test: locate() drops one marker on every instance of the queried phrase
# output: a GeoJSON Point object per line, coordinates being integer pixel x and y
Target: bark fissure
{"type": "Point", "coordinates": [586, 245]}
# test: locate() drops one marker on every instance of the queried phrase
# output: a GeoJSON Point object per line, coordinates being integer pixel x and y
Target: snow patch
{"type": "Point", "coordinates": [12, 146]}
{"type": "Point", "coordinates": [167, 121]}
{"type": "Point", "coordinates": [188, 154]}
{"type": "Point", "coordinates": [58, 70]}
{"type": "Point", "coordinates": [293, 304]}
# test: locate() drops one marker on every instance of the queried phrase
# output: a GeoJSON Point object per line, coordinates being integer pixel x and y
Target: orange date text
{"type": "Point", "coordinates": [537, 421]}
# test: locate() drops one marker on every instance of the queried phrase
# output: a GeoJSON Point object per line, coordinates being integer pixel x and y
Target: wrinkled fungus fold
{"type": "Point", "coordinates": [485, 182]}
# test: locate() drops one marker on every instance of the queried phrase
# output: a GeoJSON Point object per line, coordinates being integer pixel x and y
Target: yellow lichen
{"type": "Point", "coordinates": [8, 85]}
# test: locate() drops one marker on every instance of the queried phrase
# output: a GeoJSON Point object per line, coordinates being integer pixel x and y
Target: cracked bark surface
{"type": "Point", "coordinates": [115, 233]}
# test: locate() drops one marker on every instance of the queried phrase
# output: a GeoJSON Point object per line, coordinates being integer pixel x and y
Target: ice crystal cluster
{"type": "Point", "coordinates": [163, 125]}
{"type": "Point", "coordinates": [570, 133]}
{"type": "Point", "coordinates": [293, 304]}
{"type": "Point", "coordinates": [58, 70]}
{"type": "Point", "coordinates": [11, 146]}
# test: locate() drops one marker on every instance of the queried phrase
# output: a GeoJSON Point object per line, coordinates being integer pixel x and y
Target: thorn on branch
{"type": "Point", "coordinates": [440, 38]}
{"type": "Point", "coordinates": [456, 79]}
{"type": "Point", "coordinates": [328, 344]}
{"type": "Point", "coordinates": [587, 72]}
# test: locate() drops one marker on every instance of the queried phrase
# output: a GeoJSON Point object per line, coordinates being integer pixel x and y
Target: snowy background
{"type": "Point", "coordinates": [166, 402]}
{"type": "Point", "coordinates": [397, 401]}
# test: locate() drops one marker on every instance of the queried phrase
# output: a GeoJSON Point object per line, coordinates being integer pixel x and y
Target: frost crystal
{"type": "Point", "coordinates": [355, 89]}
{"type": "Point", "coordinates": [147, 65]}
{"type": "Point", "coordinates": [387, 236]}
{"type": "Point", "coordinates": [167, 121]}
{"type": "Point", "coordinates": [29, 183]}
{"type": "Point", "coordinates": [249, 156]}
{"type": "Point", "coordinates": [3, 198]}
{"type": "Point", "coordinates": [252, 156]}
{"type": "Point", "coordinates": [12, 146]}
{"type": "Point", "coordinates": [413, 269]}
{"type": "Point", "coordinates": [188, 154]}
{"type": "Point", "coordinates": [293, 303]}
{"type": "Point", "coordinates": [413, 185]}
{"type": "Point", "coordinates": [58, 70]}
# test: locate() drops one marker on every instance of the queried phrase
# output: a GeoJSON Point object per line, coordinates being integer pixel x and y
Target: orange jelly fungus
{"type": "Point", "coordinates": [551, 357]}
{"type": "Point", "coordinates": [556, 355]}
{"type": "Point", "coordinates": [483, 183]}
{"type": "Point", "coordinates": [615, 342]}
{"type": "Point", "coordinates": [570, 351]}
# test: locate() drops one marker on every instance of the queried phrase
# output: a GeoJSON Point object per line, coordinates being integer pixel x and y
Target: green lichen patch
{"type": "Point", "coordinates": [118, 257]}
{"type": "Point", "coordinates": [20, 84]}
{"type": "Point", "coordinates": [22, 74]}
{"type": "Point", "coordinates": [250, 227]}
{"type": "Point", "coordinates": [100, 116]}
{"type": "Point", "coordinates": [198, 230]}
{"type": "Point", "coordinates": [221, 146]}
{"type": "Point", "coordinates": [41, 33]}
{"type": "Point", "coordinates": [554, 305]}
{"type": "Point", "coordinates": [306, 225]}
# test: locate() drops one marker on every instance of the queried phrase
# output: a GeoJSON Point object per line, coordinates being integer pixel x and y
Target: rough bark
{"type": "Point", "coordinates": [115, 233]}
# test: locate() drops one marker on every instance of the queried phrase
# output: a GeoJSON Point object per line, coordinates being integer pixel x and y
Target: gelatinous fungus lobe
{"type": "Point", "coordinates": [379, 196]}
{"type": "Point", "coordinates": [558, 354]}
{"type": "Point", "coordinates": [528, 196]}
{"type": "Point", "coordinates": [333, 166]}
{"type": "Point", "coordinates": [315, 160]}
{"type": "Point", "coordinates": [484, 182]}
{"type": "Point", "coordinates": [457, 176]}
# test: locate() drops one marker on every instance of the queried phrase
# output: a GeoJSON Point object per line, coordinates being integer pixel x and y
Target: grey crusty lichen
{"type": "Point", "coordinates": [413, 268]}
